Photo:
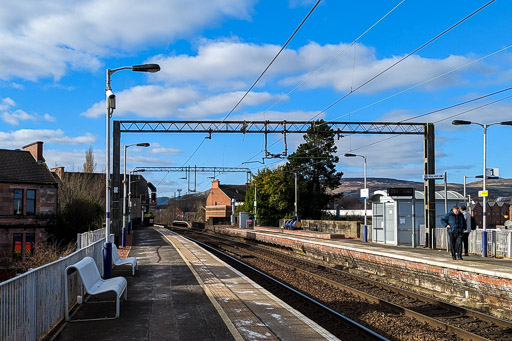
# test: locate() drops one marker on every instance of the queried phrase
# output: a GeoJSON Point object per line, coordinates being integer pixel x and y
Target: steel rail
{"type": "Point", "coordinates": [360, 327]}
{"type": "Point", "coordinates": [435, 321]}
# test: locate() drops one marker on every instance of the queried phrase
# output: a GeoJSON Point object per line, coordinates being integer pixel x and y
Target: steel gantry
{"type": "Point", "coordinates": [189, 169]}
{"type": "Point", "coordinates": [282, 127]}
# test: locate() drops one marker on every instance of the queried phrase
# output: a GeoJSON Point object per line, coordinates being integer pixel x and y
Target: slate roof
{"type": "Point", "coordinates": [234, 191]}
{"type": "Point", "coordinates": [17, 166]}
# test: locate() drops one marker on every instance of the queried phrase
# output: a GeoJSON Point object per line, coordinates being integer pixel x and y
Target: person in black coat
{"type": "Point", "coordinates": [456, 224]}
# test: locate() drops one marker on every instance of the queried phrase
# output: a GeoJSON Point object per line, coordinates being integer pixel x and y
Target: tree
{"type": "Point", "coordinates": [272, 196]}
{"type": "Point", "coordinates": [89, 165]}
{"type": "Point", "coordinates": [315, 162]}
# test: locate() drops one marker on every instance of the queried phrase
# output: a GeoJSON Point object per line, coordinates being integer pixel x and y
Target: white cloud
{"type": "Point", "coordinates": [232, 64]}
{"type": "Point", "coordinates": [158, 102]}
{"type": "Point", "coordinates": [14, 117]}
{"type": "Point", "coordinates": [394, 157]}
{"type": "Point", "coordinates": [497, 112]}
{"type": "Point", "coordinates": [165, 151]}
{"type": "Point", "coordinates": [19, 138]}
{"type": "Point", "coordinates": [6, 103]}
{"type": "Point", "coordinates": [44, 40]}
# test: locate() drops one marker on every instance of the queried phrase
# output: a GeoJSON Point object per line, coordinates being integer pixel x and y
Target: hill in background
{"type": "Point", "coordinates": [497, 188]}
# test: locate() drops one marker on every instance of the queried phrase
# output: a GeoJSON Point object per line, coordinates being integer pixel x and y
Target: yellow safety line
{"type": "Point", "coordinates": [217, 306]}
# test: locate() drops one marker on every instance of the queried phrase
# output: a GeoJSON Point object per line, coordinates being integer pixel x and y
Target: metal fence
{"type": "Point", "coordinates": [87, 238]}
{"type": "Point", "coordinates": [499, 242]}
{"type": "Point", "coordinates": [32, 303]}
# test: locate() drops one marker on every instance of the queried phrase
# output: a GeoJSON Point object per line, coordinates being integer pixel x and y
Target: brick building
{"type": "Point", "coordinates": [28, 201]}
{"type": "Point", "coordinates": [218, 202]}
{"type": "Point", "coordinates": [497, 213]}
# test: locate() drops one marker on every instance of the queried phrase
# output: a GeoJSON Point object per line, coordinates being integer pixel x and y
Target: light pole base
{"type": "Point", "coordinates": [484, 243]}
{"type": "Point", "coordinates": [365, 234]}
{"type": "Point", "coordinates": [123, 237]}
{"type": "Point", "coordinates": [107, 260]}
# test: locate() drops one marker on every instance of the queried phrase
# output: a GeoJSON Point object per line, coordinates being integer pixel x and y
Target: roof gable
{"type": "Point", "coordinates": [236, 192]}
{"type": "Point", "coordinates": [17, 166]}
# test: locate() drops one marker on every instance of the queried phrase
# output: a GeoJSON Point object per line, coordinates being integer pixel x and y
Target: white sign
{"type": "Point", "coordinates": [365, 193]}
{"type": "Point", "coordinates": [433, 176]}
{"type": "Point", "coordinates": [492, 173]}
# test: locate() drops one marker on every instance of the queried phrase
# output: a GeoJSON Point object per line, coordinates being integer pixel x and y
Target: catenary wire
{"type": "Point", "coordinates": [272, 61]}
{"type": "Point", "coordinates": [403, 58]}
{"type": "Point", "coordinates": [310, 75]}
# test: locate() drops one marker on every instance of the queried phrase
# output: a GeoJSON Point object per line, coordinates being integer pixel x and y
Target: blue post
{"type": "Point", "coordinates": [484, 243]}
{"type": "Point", "coordinates": [129, 225]}
{"type": "Point", "coordinates": [365, 234]}
{"type": "Point", "coordinates": [123, 237]}
{"type": "Point", "coordinates": [107, 260]}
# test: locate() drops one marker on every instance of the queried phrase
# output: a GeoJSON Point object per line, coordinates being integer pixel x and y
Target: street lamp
{"type": "Point", "coordinates": [111, 105]}
{"type": "Point", "coordinates": [365, 229]}
{"type": "Point", "coordinates": [123, 233]}
{"type": "Point", "coordinates": [484, 176]}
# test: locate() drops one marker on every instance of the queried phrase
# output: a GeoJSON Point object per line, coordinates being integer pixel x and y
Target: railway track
{"type": "Point", "coordinates": [406, 312]}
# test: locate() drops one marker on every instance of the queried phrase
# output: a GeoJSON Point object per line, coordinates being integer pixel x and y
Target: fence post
{"type": "Point", "coordinates": [509, 251]}
{"type": "Point", "coordinates": [78, 241]}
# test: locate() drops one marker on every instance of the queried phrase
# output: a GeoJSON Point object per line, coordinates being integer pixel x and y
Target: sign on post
{"type": "Point", "coordinates": [483, 193]}
{"type": "Point", "coordinates": [365, 193]}
{"type": "Point", "coordinates": [433, 176]}
{"type": "Point", "coordinates": [400, 192]}
{"type": "Point", "coordinates": [492, 173]}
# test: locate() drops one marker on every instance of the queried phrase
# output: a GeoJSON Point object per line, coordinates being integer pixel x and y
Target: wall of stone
{"type": "Point", "coordinates": [348, 228]}
{"type": "Point", "coordinates": [492, 294]}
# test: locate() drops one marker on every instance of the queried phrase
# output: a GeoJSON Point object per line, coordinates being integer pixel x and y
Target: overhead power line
{"type": "Point", "coordinates": [272, 61]}
{"type": "Point", "coordinates": [404, 58]}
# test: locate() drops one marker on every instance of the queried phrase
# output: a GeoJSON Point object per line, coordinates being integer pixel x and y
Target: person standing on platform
{"type": "Point", "coordinates": [455, 223]}
{"type": "Point", "coordinates": [467, 231]}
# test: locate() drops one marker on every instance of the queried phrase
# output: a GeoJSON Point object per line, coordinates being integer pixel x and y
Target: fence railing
{"type": "Point", "coordinates": [87, 238]}
{"type": "Point", "coordinates": [499, 241]}
{"type": "Point", "coordinates": [32, 303]}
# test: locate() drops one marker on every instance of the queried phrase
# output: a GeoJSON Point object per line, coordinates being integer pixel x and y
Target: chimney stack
{"type": "Point", "coordinates": [59, 171]}
{"type": "Point", "coordinates": [36, 149]}
{"type": "Point", "coordinates": [215, 183]}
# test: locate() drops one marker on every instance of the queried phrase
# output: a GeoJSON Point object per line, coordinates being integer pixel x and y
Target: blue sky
{"type": "Point", "coordinates": [53, 58]}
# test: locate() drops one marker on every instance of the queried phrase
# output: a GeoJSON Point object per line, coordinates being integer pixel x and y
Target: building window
{"type": "Point", "coordinates": [17, 241]}
{"type": "Point", "coordinates": [18, 201]}
{"type": "Point", "coordinates": [31, 201]}
{"type": "Point", "coordinates": [30, 242]}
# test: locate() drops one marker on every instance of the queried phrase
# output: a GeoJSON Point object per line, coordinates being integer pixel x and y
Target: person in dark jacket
{"type": "Point", "coordinates": [467, 230]}
{"type": "Point", "coordinates": [456, 224]}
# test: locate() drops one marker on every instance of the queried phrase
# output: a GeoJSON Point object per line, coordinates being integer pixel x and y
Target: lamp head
{"type": "Point", "coordinates": [350, 155]}
{"type": "Point", "coordinates": [506, 123]}
{"type": "Point", "coordinates": [144, 144]}
{"type": "Point", "coordinates": [146, 68]}
{"type": "Point", "coordinates": [460, 122]}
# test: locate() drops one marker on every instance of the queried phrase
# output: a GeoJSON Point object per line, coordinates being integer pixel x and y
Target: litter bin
{"type": "Point", "coordinates": [249, 223]}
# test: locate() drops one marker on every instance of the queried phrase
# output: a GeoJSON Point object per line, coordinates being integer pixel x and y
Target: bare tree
{"type": "Point", "coordinates": [89, 165]}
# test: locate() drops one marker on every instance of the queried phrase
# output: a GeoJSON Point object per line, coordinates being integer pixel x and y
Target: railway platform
{"type": "Point", "coordinates": [475, 282]}
{"type": "Point", "coordinates": [182, 292]}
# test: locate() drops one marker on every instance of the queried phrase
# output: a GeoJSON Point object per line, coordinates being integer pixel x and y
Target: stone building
{"type": "Point", "coordinates": [28, 201]}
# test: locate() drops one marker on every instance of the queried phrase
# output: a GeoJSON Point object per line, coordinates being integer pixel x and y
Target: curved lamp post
{"type": "Point", "coordinates": [123, 233]}
{"type": "Point", "coordinates": [365, 229]}
{"type": "Point", "coordinates": [484, 176]}
{"type": "Point", "coordinates": [111, 105]}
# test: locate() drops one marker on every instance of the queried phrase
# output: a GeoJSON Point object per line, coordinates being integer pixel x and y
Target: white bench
{"type": "Point", "coordinates": [116, 259]}
{"type": "Point", "coordinates": [93, 282]}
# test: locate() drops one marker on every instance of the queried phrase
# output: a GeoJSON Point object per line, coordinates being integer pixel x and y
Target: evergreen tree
{"type": "Point", "coordinates": [315, 162]}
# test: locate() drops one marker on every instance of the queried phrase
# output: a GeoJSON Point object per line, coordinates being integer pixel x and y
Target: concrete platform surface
{"type": "Point", "coordinates": [182, 292]}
